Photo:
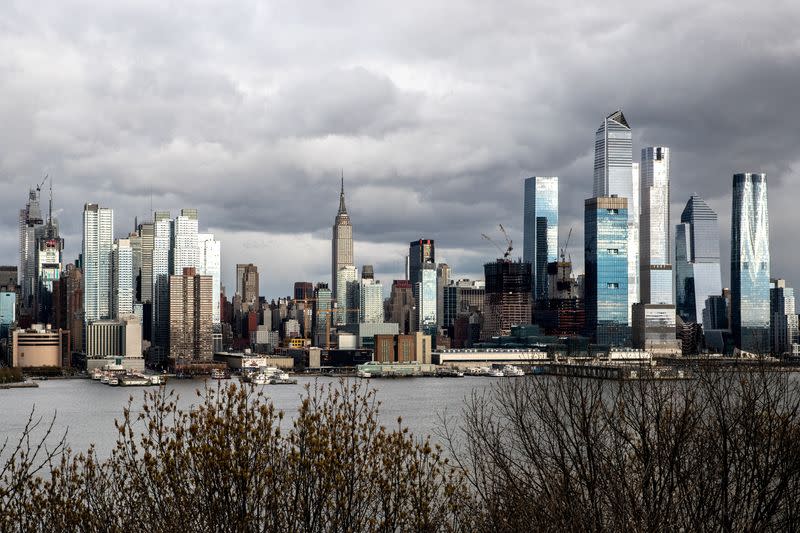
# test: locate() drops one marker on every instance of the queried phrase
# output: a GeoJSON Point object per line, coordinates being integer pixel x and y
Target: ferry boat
{"type": "Point", "coordinates": [511, 371]}
{"type": "Point", "coordinates": [282, 378]}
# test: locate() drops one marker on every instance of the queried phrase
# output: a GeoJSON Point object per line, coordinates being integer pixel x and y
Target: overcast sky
{"type": "Point", "coordinates": [436, 112]}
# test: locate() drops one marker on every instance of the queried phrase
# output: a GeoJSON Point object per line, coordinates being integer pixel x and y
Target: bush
{"type": "Point", "coordinates": [10, 375]}
{"type": "Point", "coordinates": [226, 465]}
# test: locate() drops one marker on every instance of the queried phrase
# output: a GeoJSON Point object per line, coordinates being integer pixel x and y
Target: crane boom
{"type": "Point", "coordinates": [507, 253]}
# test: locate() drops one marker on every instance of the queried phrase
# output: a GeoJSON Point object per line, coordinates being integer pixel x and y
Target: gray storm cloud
{"type": "Point", "coordinates": [435, 111]}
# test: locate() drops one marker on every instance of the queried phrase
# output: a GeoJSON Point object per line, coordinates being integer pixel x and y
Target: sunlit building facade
{"type": "Point", "coordinates": [540, 229]}
{"type": "Point", "coordinates": [750, 264]}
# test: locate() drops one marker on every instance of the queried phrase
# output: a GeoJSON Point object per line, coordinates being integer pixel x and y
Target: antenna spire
{"type": "Point", "coordinates": [342, 208]}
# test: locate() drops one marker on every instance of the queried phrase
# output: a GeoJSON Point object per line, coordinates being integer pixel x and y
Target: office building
{"type": "Point", "coordinates": [462, 297]}
{"type": "Point", "coordinates": [563, 312]}
{"type": "Point", "coordinates": [112, 339]}
{"type": "Point", "coordinates": [146, 235]}
{"type": "Point", "coordinates": [161, 269]}
{"type": "Point", "coordinates": [370, 300]}
{"type": "Point", "coordinates": [442, 280]}
{"type": "Point", "coordinates": [425, 296]}
{"type": "Point", "coordinates": [322, 314]}
{"type": "Point", "coordinates": [697, 266]}
{"type": "Point", "coordinates": [98, 230]}
{"type": "Point", "coordinates": [615, 174]}
{"type": "Point", "coordinates": [190, 316]}
{"type": "Point", "coordinates": [49, 246]}
{"type": "Point", "coordinates": [750, 264]}
{"type": "Point", "coordinates": [303, 290]}
{"type": "Point", "coordinates": [540, 229]}
{"type": "Point", "coordinates": [606, 257]}
{"type": "Point", "coordinates": [401, 308]}
{"type": "Point", "coordinates": [247, 285]}
{"type": "Point", "coordinates": [341, 243]}
{"type": "Point", "coordinates": [403, 348]}
{"type": "Point", "coordinates": [39, 346]}
{"type": "Point", "coordinates": [8, 312]}
{"type": "Point", "coordinates": [30, 219]}
{"type": "Point", "coordinates": [507, 297]}
{"type": "Point", "coordinates": [783, 326]}
{"type": "Point", "coordinates": [420, 253]}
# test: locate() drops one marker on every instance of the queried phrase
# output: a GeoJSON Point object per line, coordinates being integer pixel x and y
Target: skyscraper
{"type": "Point", "coordinates": [30, 219]}
{"type": "Point", "coordinates": [341, 243]}
{"type": "Point", "coordinates": [606, 286]}
{"type": "Point", "coordinates": [654, 257]}
{"type": "Point", "coordinates": [322, 314]}
{"type": "Point", "coordinates": [210, 264]}
{"type": "Point", "coordinates": [98, 230]}
{"type": "Point", "coordinates": [185, 242]}
{"type": "Point", "coordinates": [697, 267]}
{"type": "Point", "coordinates": [401, 308]}
{"type": "Point", "coordinates": [425, 296]}
{"type": "Point", "coordinates": [783, 324]}
{"type": "Point", "coordinates": [615, 174]}
{"type": "Point", "coordinates": [750, 264]}
{"type": "Point", "coordinates": [540, 229]}
{"type": "Point", "coordinates": [370, 300]}
{"type": "Point", "coordinates": [145, 231]}
{"type": "Point", "coordinates": [442, 280]}
{"type": "Point", "coordinates": [49, 246]}
{"type": "Point", "coordinates": [346, 280]}
{"type": "Point", "coordinates": [247, 285]}
{"type": "Point", "coordinates": [162, 267]}
{"type": "Point", "coordinates": [420, 253]}
{"type": "Point", "coordinates": [190, 316]}
{"type": "Point", "coordinates": [122, 278]}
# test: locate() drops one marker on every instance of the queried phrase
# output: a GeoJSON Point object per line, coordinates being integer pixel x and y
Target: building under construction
{"type": "Point", "coordinates": [507, 300]}
{"type": "Point", "coordinates": [562, 313]}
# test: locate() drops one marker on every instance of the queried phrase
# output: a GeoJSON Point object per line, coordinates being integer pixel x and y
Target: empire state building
{"type": "Point", "coordinates": [342, 242]}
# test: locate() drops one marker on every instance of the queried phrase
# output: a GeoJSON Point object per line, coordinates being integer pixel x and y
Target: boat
{"type": "Point", "coordinates": [282, 378]}
{"type": "Point", "coordinates": [511, 371]}
{"type": "Point", "coordinates": [134, 380]}
{"type": "Point", "coordinates": [104, 378]}
{"type": "Point", "coordinates": [448, 372]}
{"type": "Point", "coordinates": [495, 373]}
{"type": "Point", "coordinates": [156, 380]}
{"type": "Point", "coordinates": [113, 381]}
{"type": "Point", "coordinates": [96, 374]}
{"type": "Point", "coordinates": [363, 374]}
{"type": "Point", "coordinates": [259, 379]}
{"type": "Point", "coordinates": [219, 374]}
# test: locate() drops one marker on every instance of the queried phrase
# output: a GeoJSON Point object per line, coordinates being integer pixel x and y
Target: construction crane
{"type": "Point", "coordinates": [491, 241]}
{"type": "Point", "coordinates": [507, 253]}
{"type": "Point", "coordinates": [39, 187]}
{"type": "Point", "coordinates": [566, 245]}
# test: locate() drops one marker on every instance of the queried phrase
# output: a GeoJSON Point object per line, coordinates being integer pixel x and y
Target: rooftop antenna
{"type": "Point", "coordinates": [50, 216]}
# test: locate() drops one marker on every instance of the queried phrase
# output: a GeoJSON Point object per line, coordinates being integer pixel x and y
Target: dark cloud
{"type": "Point", "coordinates": [435, 111]}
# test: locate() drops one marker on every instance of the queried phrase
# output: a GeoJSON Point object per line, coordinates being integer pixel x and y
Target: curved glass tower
{"type": "Point", "coordinates": [540, 229]}
{"type": "Point", "coordinates": [750, 305]}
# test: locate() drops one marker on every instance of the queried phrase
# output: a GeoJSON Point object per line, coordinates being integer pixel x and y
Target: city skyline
{"type": "Point", "coordinates": [433, 137]}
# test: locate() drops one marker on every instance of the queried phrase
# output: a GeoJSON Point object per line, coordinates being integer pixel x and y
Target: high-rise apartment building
{"type": "Point", "coordinates": [697, 266]}
{"type": "Point", "coordinates": [615, 174]}
{"type": "Point", "coordinates": [190, 316]}
{"type": "Point", "coordinates": [210, 264]}
{"type": "Point", "coordinates": [606, 256]}
{"type": "Point", "coordinates": [540, 229]}
{"type": "Point", "coordinates": [98, 230]}
{"type": "Point", "coordinates": [750, 264]}
{"type": "Point", "coordinates": [442, 280]}
{"type": "Point", "coordinates": [783, 325]}
{"type": "Point", "coordinates": [185, 242]}
{"type": "Point", "coordinates": [370, 301]}
{"type": "Point", "coordinates": [322, 314]}
{"type": "Point", "coordinates": [341, 243]}
{"type": "Point", "coordinates": [122, 279]}
{"type": "Point", "coordinates": [146, 234]}
{"type": "Point", "coordinates": [507, 297]}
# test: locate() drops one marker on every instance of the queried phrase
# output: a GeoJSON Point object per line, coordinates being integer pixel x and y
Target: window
{"type": "Point", "coordinates": [611, 285]}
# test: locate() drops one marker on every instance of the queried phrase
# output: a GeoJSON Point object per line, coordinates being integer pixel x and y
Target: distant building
{"type": "Point", "coordinates": [346, 281]}
{"type": "Point", "coordinates": [303, 290]}
{"type": "Point", "coordinates": [113, 339]}
{"type": "Point", "coordinates": [415, 347]}
{"type": "Point", "coordinates": [122, 278]}
{"type": "Point", "coordinates": [507, 300]}
{"type": "Point", "coordinates": [606, 256]}
{"type": "Point", "coordinates": [341, 243]}
{"type": "Point", "coordinates": [540, 229]}
{"type": "Point", "coordinates": [30, 220]}
{"type": "Point", "coordinates": [401, 308]}
{"type": "Point", "coordinates": [369, 295]}
{"type": "Point", "coordinates": [98, 230]}
{"type": "Point", "coordinates": [190, 316]}
{"type": "Point", "coordinates": [442, 281]}
{"type": "Point", "coordinates": [425, 295]}
{"type": "Point", "coordinates": [8, 312]}
{"type": "Point", "coordinates": [322, 314]}
{"type": "Point", "coordinates": [420, 253]}
{"type": "Point", "coordinates": [562, 313]}
{"type": "Point", "coordinates": [365, 332]}
{"type": "Point", "coordinates": [783, 326]}
{"type": "Point", "coordinates": [39, 346]}
{"type": "Point", "coordinates": [247, 285]}
{"type": "Point", "coordinates": [461, 297]}
{"type": "Point", "coordinates": [750, 264]}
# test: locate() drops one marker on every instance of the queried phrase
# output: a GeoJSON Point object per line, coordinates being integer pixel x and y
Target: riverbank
{"type": "Point", "coordinates": [20, 385]}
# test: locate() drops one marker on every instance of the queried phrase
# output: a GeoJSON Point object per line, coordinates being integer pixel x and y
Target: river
{"type": "Point", "coordinates": [86, 409]}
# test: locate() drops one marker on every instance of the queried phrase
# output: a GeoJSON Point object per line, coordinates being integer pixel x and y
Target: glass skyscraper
{"type": "Point", "coordinates": [654, 257]}
{"type": "Point", "coordinates": [750, 305]}
{"type": "Point", "coordinates": [606, 285]}
{"type": "Point", "coordinates": [615, 174]}
{"type": "Point", "coordinates": [783, 326]}
{"type": "Point", "coordinates": [697, 267]}
{"type": "Point", "coordinates": [426, 299]}
{"type": "Point", "coordinates": [540, 229]}
{"type": "Point", "coordinates": [98, 230]}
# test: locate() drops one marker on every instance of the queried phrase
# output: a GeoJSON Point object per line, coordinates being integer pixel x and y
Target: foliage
{"type": "Point", "coordinates": [227, 465]}
{"type": "Point", "coordinates": [10, 375]}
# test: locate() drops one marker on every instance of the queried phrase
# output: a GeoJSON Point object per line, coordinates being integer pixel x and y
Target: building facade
{"type": "Point", "coordinates": [401, 308]}
{"type": "Point", "coordinates": [98, 230]}
{"type": "Point", "coordinates": [783, 326]}
{"type": "Point", "coordinates": [606, 256]}
{"type": "Point", "coordinates": [190, 316]}
{"type": "Point", "coordinates": [507, 300]}
{"type": "Point", "coordinates": [540, 229]}
{"type": "Point", "coordinates": [750, 264]}
{"type": "Point", "coordinates": [341, 243]}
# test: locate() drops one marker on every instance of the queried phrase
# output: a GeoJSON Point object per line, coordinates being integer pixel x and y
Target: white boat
{"type": "Point", "coordinates": [104, 378]}
{"type": "Point", "coordinates": [156, 380]}
{"type": "Point", "coordinates": [282, 378]}
{"type": "Point", "coordinates": [259, 379]}
{"type": "Point", "coordinates": [495, 373]}
{"type": "Point", "coordinates": [96, 374]}
{"type": "Point", "coordinates": [113, 381]}
{"type": "Point", "coordinates": [511, 371]}
{"type": "Point", "coordinates": [363, 374]}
